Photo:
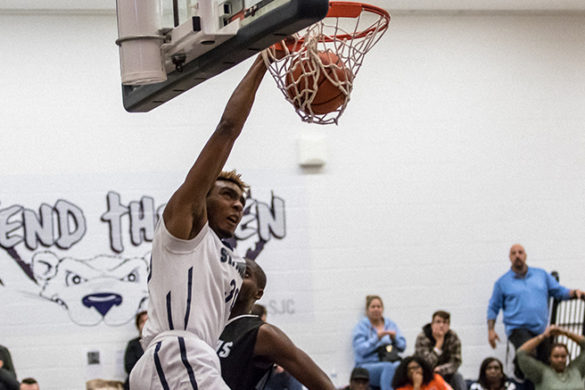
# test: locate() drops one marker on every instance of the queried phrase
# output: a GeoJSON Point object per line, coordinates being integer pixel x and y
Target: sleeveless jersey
{"type": "Point", "coordinates": [235, 348]}
{"type": "Point", "coordinates": [192, 285]}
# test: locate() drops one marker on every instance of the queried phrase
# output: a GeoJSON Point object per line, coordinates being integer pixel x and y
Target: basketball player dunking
{"type": "Point", "coordinates": [194, 278]}
{"type": "Point", "coordinates": [248, 347]}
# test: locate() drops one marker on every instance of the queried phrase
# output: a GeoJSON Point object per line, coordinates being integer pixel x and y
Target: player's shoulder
{"type": "Point", "coordinates": [174, 244]}
{"type": "Point", "coordinates": [273, 344]}
{"type": "Point", "coordinates": [269, 329]}
{"type": "Point", "coordinates": [271, 334]}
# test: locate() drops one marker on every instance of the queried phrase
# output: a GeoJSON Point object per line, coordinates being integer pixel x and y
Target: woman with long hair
{"type": "Point", "coordinates": [492, 377]}
{"type": "Point", "coordinates": [376, 341]}
{"type": "Point", "coordinates": [414, 373]}
{"type": "Point", "coordinates": [560, 374]}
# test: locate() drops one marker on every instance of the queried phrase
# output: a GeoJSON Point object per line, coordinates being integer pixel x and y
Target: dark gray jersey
{"type": "Point", "coordinates": [235, 348]}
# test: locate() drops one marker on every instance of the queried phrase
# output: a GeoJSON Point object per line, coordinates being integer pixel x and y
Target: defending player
{"type": "Point", "coordinates": [194, 278]}
{"type": "Point", "coordinates": [248, 347]}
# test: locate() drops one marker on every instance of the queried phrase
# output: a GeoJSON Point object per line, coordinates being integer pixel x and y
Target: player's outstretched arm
{"type": "Point", "coordinates": [185, 213]}
{"type": "Point", "coordinates": [275, 346]}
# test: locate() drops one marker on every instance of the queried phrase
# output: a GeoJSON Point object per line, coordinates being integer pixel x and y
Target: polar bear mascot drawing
{"type": "Point", "coordinates": [104, 288]}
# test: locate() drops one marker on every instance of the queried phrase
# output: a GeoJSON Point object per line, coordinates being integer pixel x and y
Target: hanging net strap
{"type": "Point", "coordinates": [349, 31]}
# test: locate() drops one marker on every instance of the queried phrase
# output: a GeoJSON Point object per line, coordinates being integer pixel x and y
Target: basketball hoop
{"type": "Point", "coordinates": [348, 32]}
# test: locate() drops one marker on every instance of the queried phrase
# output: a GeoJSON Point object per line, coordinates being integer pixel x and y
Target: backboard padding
{"type": "Point", "coordinates": [250, 39]}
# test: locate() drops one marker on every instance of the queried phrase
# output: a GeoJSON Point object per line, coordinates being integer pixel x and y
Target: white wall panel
{"type": "Point", "coordinates": [464, 135]}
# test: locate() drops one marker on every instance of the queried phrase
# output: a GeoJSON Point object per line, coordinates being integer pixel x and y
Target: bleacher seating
{"type": "Point", "coordinates": [570, 315]}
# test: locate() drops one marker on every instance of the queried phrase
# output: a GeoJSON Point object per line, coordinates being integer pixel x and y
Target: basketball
{"type": "Point", "coordinates": [333, 79]}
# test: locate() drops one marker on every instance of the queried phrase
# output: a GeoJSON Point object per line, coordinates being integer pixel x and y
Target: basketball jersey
{"type": "Point", "coordinates": [192, 285]}
{"type": "Point", "coordinates": [235, 348]}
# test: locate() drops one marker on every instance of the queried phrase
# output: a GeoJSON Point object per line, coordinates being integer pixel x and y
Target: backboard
{"type": "Point", "coordinates": [194, 49]}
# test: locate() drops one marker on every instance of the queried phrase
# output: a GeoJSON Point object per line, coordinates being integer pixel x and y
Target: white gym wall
{"type": "Point", "coordinates": [464, 135]}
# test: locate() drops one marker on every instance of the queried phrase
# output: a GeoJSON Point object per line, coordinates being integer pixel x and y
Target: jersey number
{"type": "Point", "coordinates": [233, 293]}
{"type": "Point", "coordinates": [224, 349]}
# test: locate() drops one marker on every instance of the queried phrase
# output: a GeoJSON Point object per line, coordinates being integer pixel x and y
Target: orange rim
{"type": "Point", "coordinates": [344, 9]}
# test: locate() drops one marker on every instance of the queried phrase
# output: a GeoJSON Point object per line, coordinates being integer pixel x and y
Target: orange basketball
{"type": "Point", "coordinates": [300, 79]}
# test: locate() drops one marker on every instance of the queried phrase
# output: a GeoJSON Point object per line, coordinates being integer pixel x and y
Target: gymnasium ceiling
{"type": "Point", "coordinates": [423, 6]}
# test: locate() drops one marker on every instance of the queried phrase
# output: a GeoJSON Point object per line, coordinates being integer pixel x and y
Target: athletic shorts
{"type": "Point", "coordinates": [177, 361]}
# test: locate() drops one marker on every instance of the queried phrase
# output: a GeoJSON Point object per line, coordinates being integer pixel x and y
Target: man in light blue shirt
{"type": "Point", "coordinates": [523, 293]}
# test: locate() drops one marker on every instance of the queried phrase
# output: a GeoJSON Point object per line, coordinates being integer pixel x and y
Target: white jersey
{"type": "Point", "coordinates": [192, 285]}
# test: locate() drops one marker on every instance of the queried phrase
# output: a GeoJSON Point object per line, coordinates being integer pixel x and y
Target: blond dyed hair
{"type": "Point", "coordinates": [234, 177]}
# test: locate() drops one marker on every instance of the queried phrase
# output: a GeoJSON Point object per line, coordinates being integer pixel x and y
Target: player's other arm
{"type": "Point", "coordinates": [275, 346]}
{"type": "Point", "coordinates": [185, 213]}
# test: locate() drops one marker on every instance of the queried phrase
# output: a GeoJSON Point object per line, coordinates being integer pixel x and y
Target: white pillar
{"type": "Point", "coordinates": [141, 60]}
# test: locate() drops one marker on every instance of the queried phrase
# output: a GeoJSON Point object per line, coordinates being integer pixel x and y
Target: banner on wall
{"type": "Point", "coordinates": [84, 243]}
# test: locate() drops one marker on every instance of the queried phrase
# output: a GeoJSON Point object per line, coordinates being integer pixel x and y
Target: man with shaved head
{"type": "Point", "coordinates": [523, 294]}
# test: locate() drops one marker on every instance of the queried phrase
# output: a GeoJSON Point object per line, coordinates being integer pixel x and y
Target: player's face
{"type": "Point", "coordinates": [558, 359]}
{"type": "Point", "coordinates": [225, 204]}
{"type": "Point", "coordinates": [249, 289]}
{"type": "Point", "coordinates": [518, 257]}
{"type": "Point", "coordinates": [375, 310]}
{"type": "Point", "coordinates": [142, 321]}
{"type": "Point", "coordinates": [493, 372]}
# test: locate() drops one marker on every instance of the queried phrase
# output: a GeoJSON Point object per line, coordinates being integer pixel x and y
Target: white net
{"type": "Point", "coordinates": [315, 68]}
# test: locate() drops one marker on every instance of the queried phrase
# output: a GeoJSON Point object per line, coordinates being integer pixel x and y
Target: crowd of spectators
{"type": "Point", "coordinates": [522, 294]}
